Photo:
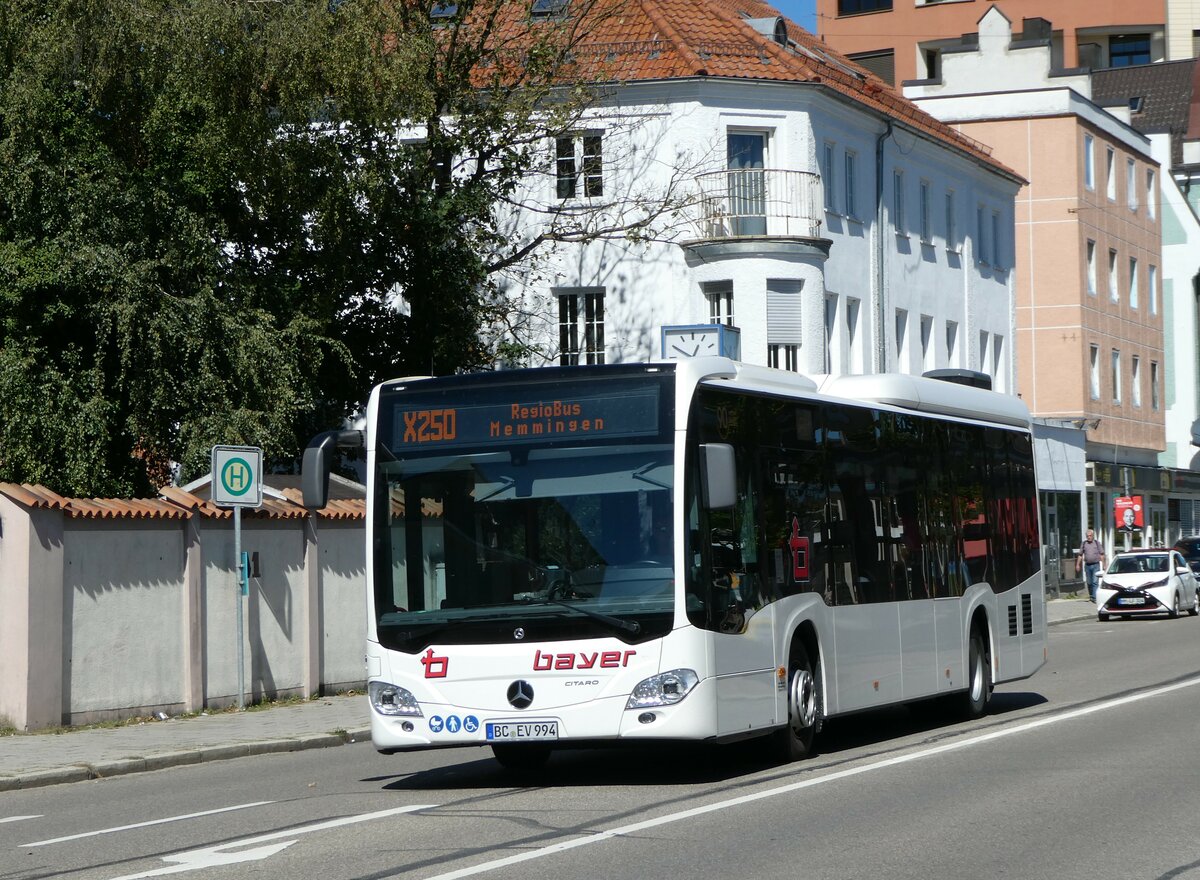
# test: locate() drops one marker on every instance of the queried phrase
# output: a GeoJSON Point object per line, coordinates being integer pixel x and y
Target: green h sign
{"type": "Point", "coordinates": [237, 476]}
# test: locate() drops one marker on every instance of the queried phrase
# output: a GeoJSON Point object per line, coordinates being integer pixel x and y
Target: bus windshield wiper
{"type": "Point", "coordinates": [630, 626]}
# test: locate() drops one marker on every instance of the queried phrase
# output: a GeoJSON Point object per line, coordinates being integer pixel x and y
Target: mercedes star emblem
{"type": "Point", "coordinates": [519, 633]}
{"type": "Point", "coordinates": [520, 694]}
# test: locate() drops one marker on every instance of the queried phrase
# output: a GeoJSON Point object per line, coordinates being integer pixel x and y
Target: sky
{"type": "Point", "coordinates": [803, 12]}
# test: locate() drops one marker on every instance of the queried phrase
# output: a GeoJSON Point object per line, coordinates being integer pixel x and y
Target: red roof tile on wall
{"type": "Point", "coordinates": [173, 503]}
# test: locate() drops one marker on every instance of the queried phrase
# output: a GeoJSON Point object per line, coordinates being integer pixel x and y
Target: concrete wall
{"type": "Point", "coordinates": [105, 618]}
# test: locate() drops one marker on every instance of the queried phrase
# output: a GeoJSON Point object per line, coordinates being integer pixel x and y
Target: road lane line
{"type": "Point", "coordinates": [146, 824]}
{"type": "Point", "coordinates": [636, 827]}
{"type": "Point", "coordinates": [213, 856]}
{"type": "Point", "coordinates": [17, 818]}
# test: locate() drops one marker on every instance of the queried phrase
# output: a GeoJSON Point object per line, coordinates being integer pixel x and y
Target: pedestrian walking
{"type": "Point", "coordinates": [1089, 560]}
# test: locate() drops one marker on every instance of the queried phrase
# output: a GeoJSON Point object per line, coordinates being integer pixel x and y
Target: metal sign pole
{"type": "Point", "coordinates": [237, 566]}
{"type": "Point", "coordinates": [237, 483]}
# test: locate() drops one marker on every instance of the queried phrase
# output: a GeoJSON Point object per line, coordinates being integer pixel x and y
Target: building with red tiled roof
{"type": "Point", "coordinates": [822, 214]}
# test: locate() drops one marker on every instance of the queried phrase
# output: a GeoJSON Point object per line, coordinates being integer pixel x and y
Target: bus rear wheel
{"type": "Point", "coordinates": [806, 713]}
{"type": "Point", "coordinates": [974, 700]}
{"type": "Point", "coordinates": [521, 757]}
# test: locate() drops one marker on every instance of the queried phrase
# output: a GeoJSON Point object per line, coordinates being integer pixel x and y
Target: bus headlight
{"type": "Point", "coordinates": [390, 699]}
{"type": "Point", "coordinates": [664, 689]}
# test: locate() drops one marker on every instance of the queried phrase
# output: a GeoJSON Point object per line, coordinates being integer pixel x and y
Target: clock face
{"type": "Point", "coordinates": [691, 343]}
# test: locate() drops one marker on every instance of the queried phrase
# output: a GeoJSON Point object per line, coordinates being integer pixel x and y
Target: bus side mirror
{"type": "Point", "coordinates": [318, 461]}
{"type": "Point", "coordinates": [718, 476]}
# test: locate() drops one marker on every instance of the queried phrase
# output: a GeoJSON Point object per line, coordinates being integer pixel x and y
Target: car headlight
{"type": "Point", "coordinates": [664, 689]}
{"type": "Point", "coordinates": [390, 699]}
{"type": "Point", "coordinates": [1161, 583]}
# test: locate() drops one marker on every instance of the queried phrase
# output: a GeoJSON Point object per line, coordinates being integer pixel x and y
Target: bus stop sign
{"type": "Point", "coordinates": [237, 476]}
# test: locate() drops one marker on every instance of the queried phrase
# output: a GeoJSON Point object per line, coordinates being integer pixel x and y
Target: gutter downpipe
{"type": "Point", "coordinates": [880, 359]}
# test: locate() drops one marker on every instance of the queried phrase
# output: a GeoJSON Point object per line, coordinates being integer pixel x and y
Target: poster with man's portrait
{"type": "Point", "coordinates": [1128, 513]}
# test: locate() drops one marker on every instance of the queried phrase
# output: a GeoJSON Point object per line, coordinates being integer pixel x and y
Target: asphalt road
{"type": "Point", "coordinates": [1084, 771]}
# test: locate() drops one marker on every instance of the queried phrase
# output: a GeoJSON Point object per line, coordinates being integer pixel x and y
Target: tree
{"type": "Point", "coordinates": [221, 221]}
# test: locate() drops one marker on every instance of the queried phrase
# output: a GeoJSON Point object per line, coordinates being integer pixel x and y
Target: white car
{"type": "Point", "coordinates": [1153, 581]}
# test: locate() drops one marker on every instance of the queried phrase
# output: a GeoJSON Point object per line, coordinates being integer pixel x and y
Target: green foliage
{"type": "Point", "coordinates": [205, 214]}
{"type": "Point", "coordinates": [208, 210]}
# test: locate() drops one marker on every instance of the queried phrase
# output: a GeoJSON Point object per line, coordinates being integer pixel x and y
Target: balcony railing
{"type": "Point", "coordinates": [748, 202]}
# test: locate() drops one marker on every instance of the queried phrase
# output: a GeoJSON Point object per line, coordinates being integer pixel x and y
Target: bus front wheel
{"type": "Point", "coordinates": [806, 713]}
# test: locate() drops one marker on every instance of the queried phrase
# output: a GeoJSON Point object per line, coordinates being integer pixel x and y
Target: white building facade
{"type": "Point", "coordinates": [834, 225]}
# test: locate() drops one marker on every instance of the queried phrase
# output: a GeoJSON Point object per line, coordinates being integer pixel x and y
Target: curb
{"type": "Point", "coordinates": [1073, 619]}
{"type": "Point", "coordinates": [181, 758]}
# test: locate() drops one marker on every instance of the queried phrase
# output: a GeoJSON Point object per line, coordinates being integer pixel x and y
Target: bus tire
{"type": "Point", "coordinates": [521, 757]}
{"type": "Point", "coordinates": [806, 709]}
{"type": "Point", "coordinates": [974, 700]}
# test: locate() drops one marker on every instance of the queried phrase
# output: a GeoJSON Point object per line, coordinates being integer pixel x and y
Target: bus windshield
{"type": "Point", "coordinates": [564, 533]}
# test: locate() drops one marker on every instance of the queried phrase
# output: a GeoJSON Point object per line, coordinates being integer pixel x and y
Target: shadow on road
{"type": "Point", "coordinates": [672, 764]}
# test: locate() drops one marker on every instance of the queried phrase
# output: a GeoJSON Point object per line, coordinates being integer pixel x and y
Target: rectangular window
{"type": "Point", "coordinates": [1091, 267]}
{"type": "Point", "coordinates": [1152, 288]}
{"type": "Point", "coordinates": [998, 383]}
{"type": "Point", "coordinates": [1154, 386]}
{"type": "Point", "coordinates": [1110, 174]}
{"type": "Point", "coordinates": [1135, 380]}
{"type": "Point", "coordinates": [902, 341]}
{"type": "Point", "coordinates": [1116, 376]}
{"type": "Point", "coordinates": [827, 179]}
{"type": "Point", "coordinates": [951, 343]}
{"type": "Point", "coordinates": [1127, 49]}
{"type": "Point", "coordinates": [1151, 194]}
{"type": "Point", "coordinates": [996, 239]}
{"type": "Point", "coordinates": [882, 63]}
{"type": "Point", "coordinates": [1114, 292]}
{"type": "Point", "coordinates": [1131, 190]}
{"type": "Point", "coordinates": [784, 357]}
{"type": "Point", "coordinates": [719, 295]}
{"type": "Point", "coordinates": [951, 232]}
{"type": "Point", "coordinates": [926, 229]}
{"type": "Point", "coordinates": [898, 201]}
{"type": "Point", "coordinates": [832, 348]}
{"type": "Point", "coordinates": [853, 342]}
{"type": "Point", "coordinates": [1094, 371]}
{"type": "Point", "coordinates": [850, 7]}
{"type": "Point", "coordinates": [851, 182]}
{"type": "Point", "coordinates": [580, 326]}
{"type": "Point", "coordinates": [928, 355]}
{"type": "Point", "coordinates": [984, 354]}
{"type": "Point", "coordinates": [980, 236]}
{"type": "Point", "coordinates": [579, 164]}
{"type": "Point", "coordinates": [1089, 161]}
{"type": "Point", "coordinates": [1133, 283]}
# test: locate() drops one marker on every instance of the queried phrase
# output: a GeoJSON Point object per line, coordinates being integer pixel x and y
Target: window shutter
{"type": "Point", "coordinates": [783, 311]}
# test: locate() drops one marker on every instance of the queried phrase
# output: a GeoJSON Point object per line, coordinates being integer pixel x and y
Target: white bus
{"type": "Point", "coordinates": [702, 550]}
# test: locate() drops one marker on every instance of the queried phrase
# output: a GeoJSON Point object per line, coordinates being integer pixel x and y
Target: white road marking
{"type": "Point", "coordinates": [17, 818]}
{"type": "Point", "coordinates": [636, 827]}
{"type": "Point", "coordinates": [145, 824]}
{"type": "Point", "coordinates": [212, 856]}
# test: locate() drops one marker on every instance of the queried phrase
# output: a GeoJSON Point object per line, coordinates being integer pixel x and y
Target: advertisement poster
{"type": "Point", "coordinates": [1128, 513]}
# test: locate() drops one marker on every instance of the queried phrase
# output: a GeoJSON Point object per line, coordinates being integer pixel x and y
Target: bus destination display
{"type": "Point", "coordinates": [633, 413]}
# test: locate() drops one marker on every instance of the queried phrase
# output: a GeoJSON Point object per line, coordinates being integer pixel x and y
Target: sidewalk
{"type": "Point", "coordinates": [28, 761]}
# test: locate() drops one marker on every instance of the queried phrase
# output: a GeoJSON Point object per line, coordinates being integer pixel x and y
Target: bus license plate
{"type": "Point", "coordinates": [1131, 601]}
{"type": "Point", "coordinates": [522, 730]}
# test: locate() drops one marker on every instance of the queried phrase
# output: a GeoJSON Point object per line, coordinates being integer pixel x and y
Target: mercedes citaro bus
{"type": "Point", "coordinates": [699, 550]}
